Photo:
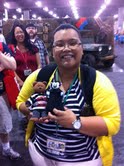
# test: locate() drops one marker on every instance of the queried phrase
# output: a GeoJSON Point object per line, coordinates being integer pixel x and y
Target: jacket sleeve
{"type": "Point", "coordinates": [106, 104]}
{"type": "Point", "coordinates": [27, 89]}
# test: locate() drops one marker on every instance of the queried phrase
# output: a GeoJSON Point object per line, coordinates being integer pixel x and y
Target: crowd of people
{"type": "Point", "coordinates": [22, 56]}
{"type": "Point", "coordinates": [6, 62]}
{"type": "Point", "coordinates": [76, 129]}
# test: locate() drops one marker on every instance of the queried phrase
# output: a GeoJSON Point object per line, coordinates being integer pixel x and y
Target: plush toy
{"type": "Point", "coordinates": [54, 98]}
{"type": "Point", "coordinates": [37, 102]}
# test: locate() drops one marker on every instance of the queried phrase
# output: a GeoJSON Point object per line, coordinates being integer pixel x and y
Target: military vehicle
{"type": "Point", "coordinates": [96, 53]}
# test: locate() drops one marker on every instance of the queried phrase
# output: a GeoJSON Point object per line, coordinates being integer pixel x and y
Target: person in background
{"type": "Point", "coordinates": [66, 137]}
{"type": "Point", "coordinates": [2, 38]}
{"type": "Point", "coordinates": [25, 53]}
{"type": "Point", "coordinates": [27, 58]}
{"type": "Point", "coordinates": [6, 62]}
{"type": "Point", "coordinates": [32, 31]}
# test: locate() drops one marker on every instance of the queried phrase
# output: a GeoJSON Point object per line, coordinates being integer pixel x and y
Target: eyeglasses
{"type": "Point", "coordinates": [72, 44]}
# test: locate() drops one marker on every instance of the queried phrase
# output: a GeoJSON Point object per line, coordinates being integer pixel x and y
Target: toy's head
{"type": "Point", "coordinates": [39, 87]}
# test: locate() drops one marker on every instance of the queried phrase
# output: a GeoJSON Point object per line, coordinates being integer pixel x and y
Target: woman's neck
{"type": "Point", "coordinates": [67, 74]}
{"type": "Point", "coordinates": [66, 77]}
{"type": "Point", "coordinates": [21, 47]}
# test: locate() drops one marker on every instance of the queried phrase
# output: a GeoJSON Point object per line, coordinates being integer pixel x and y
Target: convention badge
{"type": "Point", "coordinates": [56, 146]}
{"type": "Point", "coordinates": [27, 72]}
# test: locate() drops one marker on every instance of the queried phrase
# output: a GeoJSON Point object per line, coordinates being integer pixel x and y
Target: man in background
{"type": "Point", "coordinates": [32, 31]}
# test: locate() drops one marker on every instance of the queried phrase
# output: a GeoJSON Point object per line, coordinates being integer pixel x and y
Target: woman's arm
{"type": "Point", "coordinates": [38, 60]}
{"type": "Point", "coordinates": [23, 109]}
{"type": "Point", "coordinates": [106, 107]}
{"type": "Point", "coordinates": [20, 82]}
{"type": "Point", "coordinates": [92, 126]}
{"type": "Point", "coordinates": [7, 61]}
{"type": "Point", "coordinates": [26, 92]}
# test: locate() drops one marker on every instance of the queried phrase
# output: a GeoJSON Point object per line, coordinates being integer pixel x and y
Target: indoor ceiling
{"type": "Point", "coordinates": [62, 7]}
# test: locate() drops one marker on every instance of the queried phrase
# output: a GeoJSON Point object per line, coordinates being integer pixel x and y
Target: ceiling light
{"type": "Point", "coordinates": [34, 15]}
{"type": "Point", "coordinates": [51, 12]}
{"type": "Point", "coordinates": [6, 4]}
{"type": "Point", "coordinates": [46, 9]}
{"type": "Point", "coordinates": [39, 18]}
{"type": "Point", "coordinates": [107, 2]}
{"type": "Point", "coordinates": [19, 10]}
{"type": "Point", "coordinates": [54, 15]}
{"type": "Point", "coordinates": [14, 17]}
{"type": "Point", "coordinates": [102, 8]}
{"type": "Point", "coordinates": [72, 2]}
{"type": "Point", "coordinates": [74, 8]}
{"type": "Point", "coordinates": [38, 3]}
{"type": "Point", "coordinates": [115, 16]}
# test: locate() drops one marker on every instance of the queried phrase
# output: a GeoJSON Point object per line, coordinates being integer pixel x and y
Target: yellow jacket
{"type": "Point", "coordinates": [105, 104]}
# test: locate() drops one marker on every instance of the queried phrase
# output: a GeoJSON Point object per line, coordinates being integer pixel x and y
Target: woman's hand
{"type": "Point", "coordinates": [63, 118]}
{"type": "Point", "coordinates": [7, 54]}
{"type": "Point", "coordinates": [40, 120]}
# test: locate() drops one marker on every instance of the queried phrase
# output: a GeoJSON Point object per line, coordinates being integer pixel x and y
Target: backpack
{"type": "Point", "coordinates": [88, 77]}
{"type": "Point", "coordinates": [9, 79]}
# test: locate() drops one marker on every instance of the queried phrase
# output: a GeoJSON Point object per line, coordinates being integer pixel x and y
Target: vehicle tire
{"type": "Point", "coordinates": [109, 63]}
{"type": "Point", "coordinates": [89, 59]}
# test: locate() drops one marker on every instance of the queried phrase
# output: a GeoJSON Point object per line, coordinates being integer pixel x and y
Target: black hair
{"type": "Point", "coordinates": [32, 48]}
{"type": "Point", "coordinates": [66, 26]}
{"type": "Point", "coordinates": [62, 27]}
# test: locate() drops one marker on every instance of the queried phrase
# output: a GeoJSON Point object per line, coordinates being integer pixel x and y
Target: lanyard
{"type": "Point", "coordinates": [57, 78]}
{"type": "Point", "coordinates": [65, 99]}
{"type": "Point", "coordinates": [24, 57]}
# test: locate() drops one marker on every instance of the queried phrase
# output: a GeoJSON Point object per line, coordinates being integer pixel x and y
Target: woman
{"type": "Point", "coordinates": [26, 54]}
{"type": "Point", "coordinates": [65, 137]}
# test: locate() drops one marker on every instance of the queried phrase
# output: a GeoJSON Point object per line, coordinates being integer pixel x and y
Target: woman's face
{"type": "Point", "coordinates": [19, 35]}
{"type": "Point", "coordinates": [67, 48]}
